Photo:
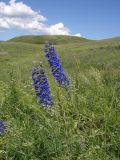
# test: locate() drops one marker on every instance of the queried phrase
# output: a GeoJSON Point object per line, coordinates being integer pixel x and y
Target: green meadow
{"type": "Point", "coordinates": [84, 125]}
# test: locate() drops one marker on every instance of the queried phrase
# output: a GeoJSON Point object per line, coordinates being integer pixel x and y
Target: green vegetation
{"type": "Point", "coordinates": [55, 39]}
{"type": "Point", "coordinates": [81, 126]}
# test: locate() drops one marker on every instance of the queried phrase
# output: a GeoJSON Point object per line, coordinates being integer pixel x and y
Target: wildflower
{"type": "Point", "coordinates": [41, 86]}
{"type": "Point", "coordinates": [2, 127]}
{"type": "Point", "coordinates": [56, 66]}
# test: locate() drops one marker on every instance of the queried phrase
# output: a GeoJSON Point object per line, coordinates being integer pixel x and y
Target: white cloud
{"type": "Point", "coordinates": [3, 24]}
{"type": "Point", "coordinates": [19, 9]}
{"type": "Point", "coordinates": [19, 15]}
{"type": "Point", "coordinates": [57, 29]}
{"type": "Point", "coordinates": [77, 35]}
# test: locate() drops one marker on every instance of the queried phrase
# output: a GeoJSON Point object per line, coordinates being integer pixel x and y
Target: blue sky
{"type": "Point", "coordinates": [92, 19]}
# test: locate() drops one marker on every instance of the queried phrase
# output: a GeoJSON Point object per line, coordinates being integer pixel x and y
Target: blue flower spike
{"type": "Point", "coordinates": [55, 65]}
{"type": "Point", "coordinates": [41, 85]}
{"type": "Point", "coordinates": [2, 127]}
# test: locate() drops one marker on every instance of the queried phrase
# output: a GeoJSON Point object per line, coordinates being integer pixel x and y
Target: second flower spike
{"type": "Point", "coordinates": [55, 65]}
{"type": "Point", "coordinates": [41, 85]}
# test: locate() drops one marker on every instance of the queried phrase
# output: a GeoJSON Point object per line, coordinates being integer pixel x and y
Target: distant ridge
{"type": "Point", "coordinates": [55, 39]}
{"type": "Point", "coordinates": [112, 39]}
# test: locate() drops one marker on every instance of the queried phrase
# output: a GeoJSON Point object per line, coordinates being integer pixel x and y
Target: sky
{"type": "Point", "coordinates": [92, 19]}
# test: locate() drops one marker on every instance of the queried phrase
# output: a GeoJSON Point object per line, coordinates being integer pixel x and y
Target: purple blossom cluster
{"type": "Point", "coordinates": [55, 65]}
{"type": "Point", "coordinates": [41, 86]}
{"type": "Point", "coordinates": [2, 127]}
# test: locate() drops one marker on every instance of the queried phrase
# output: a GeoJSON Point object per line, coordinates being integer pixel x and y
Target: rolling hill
{"type": "Point", "coordinates": [54, 39]}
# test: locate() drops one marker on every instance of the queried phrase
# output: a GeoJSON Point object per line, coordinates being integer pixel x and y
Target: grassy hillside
{"type": "Point", "coordinates": [54, 39]}
{"type": "Point", "coordinates": [81, 126]}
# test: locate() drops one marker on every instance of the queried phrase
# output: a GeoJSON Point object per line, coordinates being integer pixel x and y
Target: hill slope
{"type": "Point", "coordinates": [60, 39]}
{"type": "Point", "coordinates": [82, 125]}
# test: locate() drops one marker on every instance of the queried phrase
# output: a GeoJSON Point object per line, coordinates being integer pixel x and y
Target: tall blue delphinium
{"type": "Point", "coordinates": [2, 127]}
{"type": "Point", "coordinates": [41, 85]}
{"type": "Point", "coordinates": [56, 66]}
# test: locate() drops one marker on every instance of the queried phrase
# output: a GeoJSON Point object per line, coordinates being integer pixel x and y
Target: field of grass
{"type": "Point", "coordinates": [82, 126]}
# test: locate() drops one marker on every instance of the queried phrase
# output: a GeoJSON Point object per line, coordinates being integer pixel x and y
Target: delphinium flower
{"type": "Point", "coordinates": [55, 65]}
{"type": "Point", "coordinates": [2, 127]}
{"type": "Point", "coordinates": [41, 85]}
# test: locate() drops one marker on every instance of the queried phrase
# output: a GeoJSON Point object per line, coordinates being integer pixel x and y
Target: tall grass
{"type": "Point", "coordinates": [83, 125]}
